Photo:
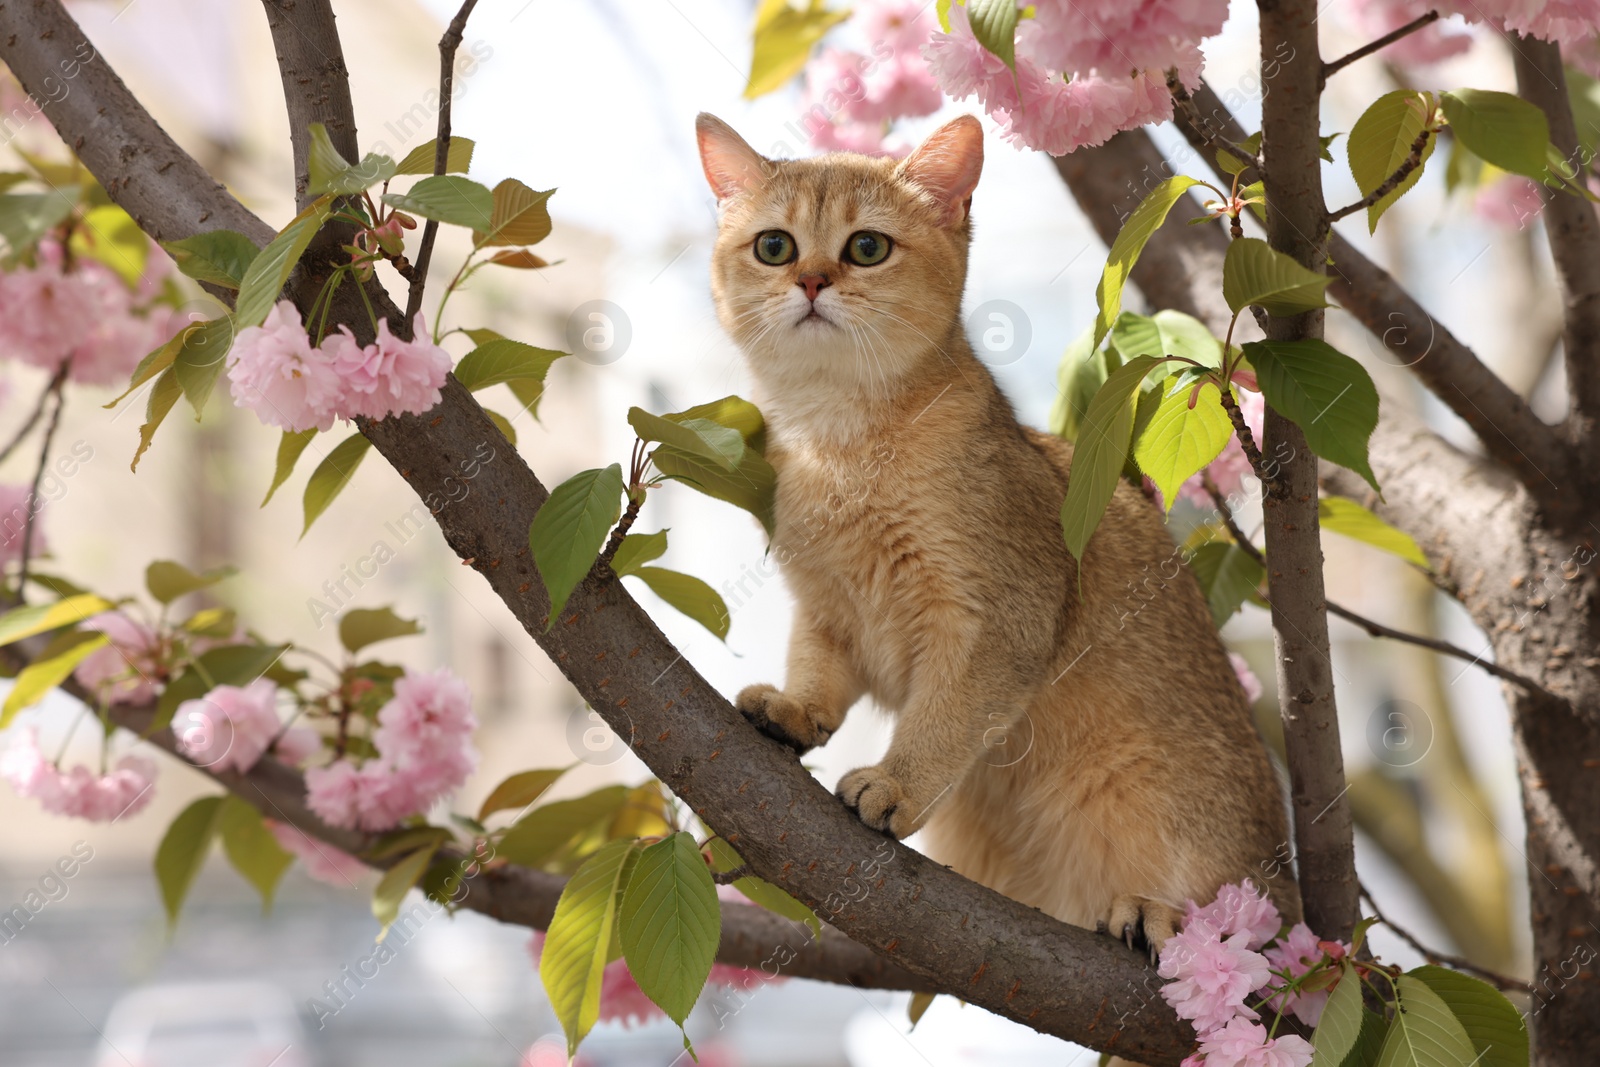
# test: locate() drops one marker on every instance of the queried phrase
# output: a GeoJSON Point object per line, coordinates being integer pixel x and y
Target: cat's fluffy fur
{"type": "Point", "coordinates": [1091, 755]}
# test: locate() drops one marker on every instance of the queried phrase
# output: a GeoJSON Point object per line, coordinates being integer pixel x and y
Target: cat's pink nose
{"type": "Point", "coordinates": [814, 284]}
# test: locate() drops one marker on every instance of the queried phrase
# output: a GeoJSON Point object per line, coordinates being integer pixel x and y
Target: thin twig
{"type": "Point", "coordinates": [1185, 104]}
{"type": "Point", "coordinates": [32, 505]}
{"type": "Point", "coordinates": [730, 877]}
{"type": "Point", "coordinates": [1492, 977]}
{"type": "Point", "coordinates": [441, 154]}
{"type": "Point", "coordinates": [635, 502]}
{"type": "Point", "coordinates": [1392, 182]}
{"type": "Point", "coordinates": [1330, 69]}
{"type": "Point", "coordinates": [1247, 441]}
{"type": "Point", "coordinates": [33, 418]}
{"type": "Point", "coordinates": [1377, 629]}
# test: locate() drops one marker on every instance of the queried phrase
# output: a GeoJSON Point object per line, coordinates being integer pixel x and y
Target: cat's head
{"type": "Point", "coordinates": [843, 269]}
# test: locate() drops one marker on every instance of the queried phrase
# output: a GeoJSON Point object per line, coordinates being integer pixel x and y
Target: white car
{"type": "Point", "coordinates": [204, 1024]}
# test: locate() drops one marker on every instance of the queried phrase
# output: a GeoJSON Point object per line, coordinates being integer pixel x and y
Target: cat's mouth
{"type": "Point", "coordinates": [813, 315]}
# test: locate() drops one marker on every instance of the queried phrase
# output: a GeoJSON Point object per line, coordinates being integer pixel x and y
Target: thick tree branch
{"type": "Point", "coordinates": [1511, 433]}
{"type": "Point", "coordinates": [1297, 226]}
{"type": "Point", "coordinates": [957, 936]}
{"type": "Point", "coordinates": [1573, 231]}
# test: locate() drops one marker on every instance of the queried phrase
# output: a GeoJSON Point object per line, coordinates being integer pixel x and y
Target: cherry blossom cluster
{"type": "Point", "coordinates": [74, 308]}
{"type": "Point", "coordinates": [231, 728]}
{"type": "Point", "coordinates": [1230, 952]}
{"type": "Point", "coordinates": [277, 372]}
{"type": "Point", "coordinates": [123, 790]}
{"type": "Point", "coordinates": [424, 744]}
{"type": "Point", "coordinates": [852, 97]}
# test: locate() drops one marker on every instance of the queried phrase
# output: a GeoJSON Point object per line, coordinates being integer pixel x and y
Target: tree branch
{"type": "Point", "coordinates": [1392, 182]}
{"type": "Point", "coordinates": [955, 935]}
{"type": "Point", "coordinates": [1511, 433]}
{"type": "Point", "coordinates": [1432, 956]}
{"type": "Point", "coordinates": [441, 154]}
{"type": "Point", "coordinates": [1574, 235]}
{"type": "Point", "coordinates": [1335, 66]}
{"type": "Point", "coordinates": [1297, 226]}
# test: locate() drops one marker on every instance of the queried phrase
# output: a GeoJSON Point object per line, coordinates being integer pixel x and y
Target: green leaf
{"type": "Point", "coordinates": [1081, 374]}
{"type": "Point", "coordinates": [251, 848]}
{"type": "Point", "coordinates": [52, 667]}
{"type": "Point", "coordinates": [1323, 391]}
{"type": "Point", "coordinates": [753, 486]}
{"type": "Point", "coordinates": [332, 173]}
{"type": "Point", "coordinates": [1424, 1032]}
{"type": "Point", "coordinates": [212, 622]}
{"type": "Point", "coordinates": [1101, 450]}
{"type": "Point", "coordinates": [183, 850]}
{"type": "Point", "coordinates": [636, 550]}
{"type": "Point", "coordinates": [290, 446]}
{"type": "Point", "coordinates": [26, 217]}
{"type": "Point", "coordinates": [109, 235]}
{"type": "Point", "coordinates": [1504, 129]}
{"type": "Point", "coordinates": [577, 945]}
{"type": "Point", "coordinates": [1346, 517]}
{"type": "Point", "coordinates": [734, 412]}
{"type": "Point", "coordinates": [520, 790]}
{"type": "Point", "coordinates": [920, 1003]}
{"type": "Point", "coordinates": [1166, 333]}
{"type": "Point", "coordinates": [1253, 272]}
{"type": "Point", "coordinates": [784, 36]}
{"type": "Point", "coordinates": [671, 924]}
{"type": "Point", "coordinates": [1228, 575]}
{"type": "Point", "coordinates": [1494, 1027]}
{"type": "Point", "coordinates": [535, 838]}
{"type": "Point", "coordinates": [396, 882]}
{"type": "Point", "coordinates": [237, 665]}
{"type": "Point", "coordinates": [762, 893]}
{"type": "Point", "coordinates": [264, 279]}
{"type": "Point", "coordinates": [570, 529]}
{"type": "Point", "coordinates": [420, 159]}
{"type": "Point", "coordinates": [202, 349]}
{"type": "Point", "coordinates": [521, 216]}
{"type": "Point", "coordinates": [521, 366]}
{"type": "Point", "coordinates": [1340, 1026]}
{"type": "Point", "coordinates": [152, 365]}
{"type": "Point", "coordinates": [1374, 1028]}
{"type": "Point", "coordinates": [1231, 165]}
{"type": "Point", "coordinates": [689, 595]}
{"type": "Point", "coordinates": [1381, 141]}
{"type": "Point", "coordinates": [994, 24]}
{"type": "Point", "coordinates": [361, 627]}
{"type": "Point", "coordinates": [1359, 934]}
{"type": "Point", "coordinates": [503, 424]}
{"type": "Point", "coordinates": [39, 618]}
{"type": "Point", "coordinates": [1130, 241]}
{"type": "Point", "coordinates": [1179, 441]}
{"type": "Point", "coordinates": [220, 257]}
{"type": "Point", "coordinates": [167, 581]}
{"type": "Point", "coordinates": [332, 475]}
{"type": "Point", "coordinates": [163, 395]}
{"type": "Point", "coordinates": [447, 198]}
{"type": "Point", "coordinates": [701, 437]}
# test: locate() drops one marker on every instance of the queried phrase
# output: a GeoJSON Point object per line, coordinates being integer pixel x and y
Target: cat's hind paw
{"type": "Point", "coordinates": [782, 717]}
{"type": "Point", "coordinates": [881, 801]}
{"type": "Point", "coordinates": [1142, 923]}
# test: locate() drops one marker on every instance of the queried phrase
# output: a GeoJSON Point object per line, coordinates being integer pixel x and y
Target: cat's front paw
{"type": "Point", "coordinates": [782, 717]}
{"type": "Point", "coordinates": [1142, 923]}
{"type": "Point", "coordinates": [882, 801]}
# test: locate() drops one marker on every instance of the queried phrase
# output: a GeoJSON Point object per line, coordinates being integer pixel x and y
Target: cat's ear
{"type": "Point", "coordinates": [947, 166]}
{"type": "Point", "coordinates": [731, 165]}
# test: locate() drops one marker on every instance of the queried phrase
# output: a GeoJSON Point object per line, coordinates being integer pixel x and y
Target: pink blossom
{"type": "Point", "coordinates": [230, 727]}
{"type": "Point", "coordinates": [127, 670]}
{"type": "Point", "coordinates": [1248, 681]}
{"type": "Point", "coordinates": [371, 797]}
{"type": "Point", "coordinates": [273, 370]}
{"type": "Point", "coordinates": [78, 792]}
{"type": "Point", "coordinates": [321, 860]}
{"type": "Point", "coordinates": [1421, 48]}
{"type": "Point", "coordinates": [389, 376]}
{"type": "Point", "coordinates": [1240, 909]}
{"type": "Point", "coordinates": [1212, 975]}
{"type": "Point", "coordinates": [16, 502]}
{"type": "Point", "coordinates": [48, 313]}
{"type": "Point", "coordinates": [1242, 1043]}
{"type": "Point", "coordinates": [1115, 35]}
{"type": "Point", "coordinates": [297, 744]}
{"type": "Point", "coordinates": [1509, 202]}
{"type": "Point", "coordinates": [1296, 953]}
{"type": "Point", "coordinates": [900, 25]}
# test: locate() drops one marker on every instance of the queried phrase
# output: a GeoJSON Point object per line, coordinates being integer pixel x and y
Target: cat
{"type": "Point", "coordinates": [1070, 739]}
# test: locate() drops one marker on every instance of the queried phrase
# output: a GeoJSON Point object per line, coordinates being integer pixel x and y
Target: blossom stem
{"type": "Point", "coordinates": [67, 740]}
{"type": "Point", "coordinates": [56, 385]}
{"type": "Point", "coordinates": [29, 424]}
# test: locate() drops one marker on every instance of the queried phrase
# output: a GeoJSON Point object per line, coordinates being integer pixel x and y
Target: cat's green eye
{"type": "Point", "coordinates": [867, 248]}
{"type": "Point", "coordinates": [774, 247]}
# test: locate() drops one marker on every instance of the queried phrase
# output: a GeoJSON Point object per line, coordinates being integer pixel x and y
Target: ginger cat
{"type": "Point", "coordinates": [918, 528]}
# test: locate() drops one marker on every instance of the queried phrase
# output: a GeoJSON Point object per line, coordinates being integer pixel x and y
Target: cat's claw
{"type": "Point", "coordinates": [881, 801]}
{"type": "Point", "coordinates": [782, 718]}
{"type": "Point", "coordinates": [1141, 922]}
